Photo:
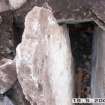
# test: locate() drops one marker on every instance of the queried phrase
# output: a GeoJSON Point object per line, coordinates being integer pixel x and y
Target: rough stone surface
{"type": "Point", "coordinates": [44, 60]}
{"type": "Point", "coordinates": [4, 5]}
{"type": "Point", "coordinates": [6, 35]}
{"type": "Point", "coordinates": [7, 74]}
{"type": "Point", "coordinates": [15, 4]}
{"type": "Point", "coordinates": [69, 11]}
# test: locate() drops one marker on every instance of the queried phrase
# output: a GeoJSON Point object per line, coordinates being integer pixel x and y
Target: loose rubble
{"type": "Point", "coordinates": [7, 42]}
{"type": "Point", "coordinates": [8, 74]}
{"type": "Point", "coordinates": [44, 60]}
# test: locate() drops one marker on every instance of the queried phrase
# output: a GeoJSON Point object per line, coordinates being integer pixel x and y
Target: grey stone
{"type": "Point", "coordinates": [4, 100]}
{"type": "Point", "coordinates": [4, 6]}
{"type": "Point", "coordinates": [7, 74]}
{"type": "Point", "coordinates": [6, 34]}
{"type": "Point", "coordinates": [7, 101]}
{"type": "Point", "coordinates": [44, 60]}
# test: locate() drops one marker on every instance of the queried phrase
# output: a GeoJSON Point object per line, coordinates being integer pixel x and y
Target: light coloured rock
{"type": "Point", "coordinates": [7, 74]}
{"type": "Point", "coordinates": [15, 4]}
{"type": "Point", "coordinates": [44, 60]}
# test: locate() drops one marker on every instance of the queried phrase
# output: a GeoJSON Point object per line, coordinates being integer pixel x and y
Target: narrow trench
{"type": "Point", "coordinates": [81, 37]}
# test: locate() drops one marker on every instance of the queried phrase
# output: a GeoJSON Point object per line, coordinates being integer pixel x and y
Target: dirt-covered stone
{"type": "Point", "coordinates": [15, 4]}
{"type": "Point", "coordinates": [7, 46]}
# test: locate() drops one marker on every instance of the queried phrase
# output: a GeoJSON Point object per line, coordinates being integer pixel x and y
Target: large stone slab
{"type": "Point", "coordinates": [44, 60]}
{"type": "Point", "coordinates": [69, 11]}
{"type": "Point", "coordinates": [8, 74]}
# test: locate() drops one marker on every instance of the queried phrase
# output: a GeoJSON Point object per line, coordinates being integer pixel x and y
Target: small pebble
{"type": "Point", "coordinates": [1, 20]}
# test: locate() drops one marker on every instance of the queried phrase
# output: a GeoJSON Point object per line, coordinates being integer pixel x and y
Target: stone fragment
{"type": "Point", "coordinates": [98, 65]}
{"type": "Point", "coordinates": [15, 4]}
{"type": "Point", "coordinates": [44, 60]}
{"type": "Point", "coordinates": [7, 74]}
{"type": "Point", "coordinates": [6, 35]}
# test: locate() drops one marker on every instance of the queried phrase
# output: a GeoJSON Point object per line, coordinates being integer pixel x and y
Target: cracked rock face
{"type": "Point", "coordinates": [7, 67]}
{"type": "Point", "coordinates": [44, 61]}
